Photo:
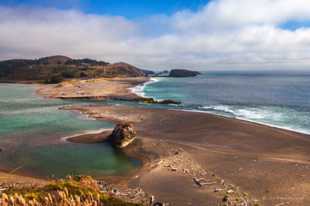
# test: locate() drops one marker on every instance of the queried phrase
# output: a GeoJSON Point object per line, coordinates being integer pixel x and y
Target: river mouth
{"type": "Point", "coordinates": [31, 138]}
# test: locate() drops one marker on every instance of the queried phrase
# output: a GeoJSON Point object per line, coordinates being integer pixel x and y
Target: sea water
{"type": "Point", "coordinates": [32, 131]}
{"type": "Point", "coordinates": [279, 99]}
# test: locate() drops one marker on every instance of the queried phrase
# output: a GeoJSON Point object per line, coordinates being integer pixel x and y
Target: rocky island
{"type": "Point", "coordinates": [176, 73]}
{"type": "Point", "coordinates": [183, 73]}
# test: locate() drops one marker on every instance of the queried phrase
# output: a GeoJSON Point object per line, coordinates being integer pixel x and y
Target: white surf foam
{"type": "Point", "coordinates": [139, 89]}
{"type": "Point", "coordinates": [65, 139]}
{"type": "Point", "coordinates": [260, 115]}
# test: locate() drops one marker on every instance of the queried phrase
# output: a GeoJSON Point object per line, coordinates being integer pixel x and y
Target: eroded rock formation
{"type": "Point", "coordinates": [122, 135]}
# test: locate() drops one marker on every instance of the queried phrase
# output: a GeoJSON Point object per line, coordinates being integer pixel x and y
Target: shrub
{"type": "Point", "coordinates": [54, 79]}
{"type": "Point", "coordinates": [69, 73]}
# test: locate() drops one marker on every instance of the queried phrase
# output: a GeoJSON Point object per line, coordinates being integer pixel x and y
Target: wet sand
{"type": "Point", "coordinates": [90, 138]}
{"type": "Point", "coordinates": [271, 165]}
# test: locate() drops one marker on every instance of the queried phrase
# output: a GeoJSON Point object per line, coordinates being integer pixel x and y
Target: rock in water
{"type": "Point", "coordinates": [183, 73]}
{"type": "Point", "coordinates": [123, 135]}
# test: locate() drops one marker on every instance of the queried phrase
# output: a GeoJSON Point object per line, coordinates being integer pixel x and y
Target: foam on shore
{"type": "Point", "coordinates": [236, 116]}
{"type": "Point", "coordinates": [139, 89]}
{"type": "Point", "coordinates": [91, 132]}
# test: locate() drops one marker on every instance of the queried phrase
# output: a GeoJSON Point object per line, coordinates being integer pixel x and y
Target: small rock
{"type": "Point", "coordinates": [152, 199]}
{"type": "Point", "coordinates": [230, 191]}
{"type": "Point", "coordinates": [114, 191]}
{"type": "Point", "coordinates": [218, 189]}
{"type": "Point", "coordinates": [185, 171]}
{"type": "Point", "coordinates": [197, 181]}
{"type": "Point", "coordinates": [158, 204]}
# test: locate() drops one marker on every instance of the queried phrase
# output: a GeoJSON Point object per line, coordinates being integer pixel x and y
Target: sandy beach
{"type": "Point", "coordinates": [192, 158]}
{"type": "Point", "coordinates": [101, 88]}
{"type": "Point", "coordinates": [269, 164]}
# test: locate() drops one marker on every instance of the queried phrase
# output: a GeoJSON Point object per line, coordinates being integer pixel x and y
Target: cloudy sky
{"type": "Point", "coordinates": [161, 34]}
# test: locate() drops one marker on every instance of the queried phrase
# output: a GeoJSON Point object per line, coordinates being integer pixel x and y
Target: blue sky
{"type": "Point", "coordinates": [126, 8]}
{"type": "Point", "coordinates": [161, 34]}
{"type": "Point", "coordinates": [131, 9]}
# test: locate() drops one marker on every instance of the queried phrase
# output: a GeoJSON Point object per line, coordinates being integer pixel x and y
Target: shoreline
{"type": "Point", "coordinates": [202, 157]}
{"type": "Point", "coordinates": [247, 120]}
{"type": "Point", "coordinates": [75, 138]}
{"type": "Point", "coordinates": [139, 89]}
{"type": "Point", "coordinates": [150, 81]}
{"type": "Point", "coordinates": [138, 93]}
{"type": "Point", "coordinates": [239, 136]}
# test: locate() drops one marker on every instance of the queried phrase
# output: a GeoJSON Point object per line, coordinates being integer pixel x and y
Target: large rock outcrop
{"type": "Point", "coordinates": [183, 73]}
{"type": "Point", "coordinates": [122, 135]}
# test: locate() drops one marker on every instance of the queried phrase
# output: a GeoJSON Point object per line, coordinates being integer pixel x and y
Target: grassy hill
{"type": "Point", "coordinates": [54, 69]}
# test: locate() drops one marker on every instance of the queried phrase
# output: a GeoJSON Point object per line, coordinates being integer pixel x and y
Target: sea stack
{"type": "Point", "coordinates": [122, 135]}
{"type": "Point", "coordinates": [183, 73]}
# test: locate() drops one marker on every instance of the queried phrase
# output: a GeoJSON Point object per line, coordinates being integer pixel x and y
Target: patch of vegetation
{"type": "Point", "coordinates": [53, 69]}
{"type": "Point", "coordinates": [54, 79]}
{"type": "Point", "coordinates": [74, 191]}
{"type": "Point", "coordinates": [86, 61]}
{"type": "Point", "coordinates": [69, 73]}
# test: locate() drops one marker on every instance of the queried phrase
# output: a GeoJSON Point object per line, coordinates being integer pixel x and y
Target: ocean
{"type": "Point", "coordinates": [31, 127]}
{"type": "Point", "coordinates": [31, 132]}
{"type": "Point", "coordinates": [278, 99]}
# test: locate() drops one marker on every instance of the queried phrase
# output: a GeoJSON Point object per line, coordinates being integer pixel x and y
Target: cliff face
{"type": "Point", "coordinates": [56, 68]}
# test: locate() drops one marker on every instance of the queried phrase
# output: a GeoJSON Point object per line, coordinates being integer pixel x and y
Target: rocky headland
{"type": "Point", "coordinates": [55, 69]}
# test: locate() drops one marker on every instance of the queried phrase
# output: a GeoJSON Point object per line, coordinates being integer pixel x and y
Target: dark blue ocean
{"type": "Point", "coordinates": [280, 99]}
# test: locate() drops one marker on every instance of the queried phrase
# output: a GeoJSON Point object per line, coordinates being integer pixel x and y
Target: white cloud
{"type": "Point", "coordinates": [223, 34]}
{"type": "Point", "coordinates": [31, 33]}
{"type": "Point", "coordinates": [231, 14]}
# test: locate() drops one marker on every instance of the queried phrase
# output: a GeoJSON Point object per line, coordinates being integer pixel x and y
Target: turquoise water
{"type": "Point", "coordinates": [31, 128]}
{"type": "Point", "coordinates": [31, 131]}
{"type": "Point", "coordinates": [280, 99]}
